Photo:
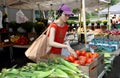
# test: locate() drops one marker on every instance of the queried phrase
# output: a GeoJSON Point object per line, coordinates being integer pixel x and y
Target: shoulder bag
{"type": "Point", "coordinates": [39, 48]}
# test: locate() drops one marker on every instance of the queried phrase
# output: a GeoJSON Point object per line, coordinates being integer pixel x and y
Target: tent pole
{"type": "Point", "coordinates": [43, 14]}
{"type": "Point", "coordinates": [98, 9]}
{"type": "Point", "coordinates": [80, 17]}
{"type": "Point", "coordinates": [39, 10]}
{"type": "Point", "coordinates": [109, 25]}
{"type": "Point", "coordinates": [84, 19]}
{"type": "Point", "coordinates": [5, 10]}
{"type": "Point", "coordinates": [80, 13]}
{"type": "Point", "coordinates": [33, 11]}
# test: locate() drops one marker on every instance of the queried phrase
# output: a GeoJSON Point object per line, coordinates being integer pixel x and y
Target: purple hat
{"type": "Point", "coordinates": [66, 9]}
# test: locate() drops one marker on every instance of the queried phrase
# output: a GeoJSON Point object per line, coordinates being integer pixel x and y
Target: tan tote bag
{"type": "Point", "coordinates": [39, 48]}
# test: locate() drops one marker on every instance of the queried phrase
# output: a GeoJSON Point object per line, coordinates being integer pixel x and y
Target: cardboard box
{"type": "Point", "coordinates": [100, 64]}
{"type": "Point", "coordinates": [90, 70]}
{"type": "Point", "coordinates": [114, 37]}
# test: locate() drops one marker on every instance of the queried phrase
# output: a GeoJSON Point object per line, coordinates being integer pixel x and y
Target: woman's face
{"type": "Point", "coordinates": [64, 17]}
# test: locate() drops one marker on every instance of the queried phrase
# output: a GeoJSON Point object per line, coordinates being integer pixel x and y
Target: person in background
{"type": "Point", "coordinates": [119, 20]}
{"type": "Point", "coordinates": [113, 22]}
{"type": "Point", "coordinates": [57, 31]}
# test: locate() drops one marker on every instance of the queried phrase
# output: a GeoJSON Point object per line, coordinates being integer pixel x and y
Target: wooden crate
{"type": "Point", "coordinates": [90, 70]}
{"type": "Point", "coordinates": [100, 64]}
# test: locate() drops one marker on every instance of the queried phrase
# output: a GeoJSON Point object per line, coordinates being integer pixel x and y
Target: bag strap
{"type": "Point", "coordinates": [45, 31]}
{"type": "Point", "coordinates": [48, 28]}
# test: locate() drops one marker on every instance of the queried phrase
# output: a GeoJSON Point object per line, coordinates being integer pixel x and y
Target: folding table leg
{"type": "Point", "coordinates": [11, 54]}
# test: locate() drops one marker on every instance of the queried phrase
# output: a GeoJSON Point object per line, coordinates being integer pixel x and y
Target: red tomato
{"type": "Point", "coordinates": [90, 55]}
{"type": "Point", "coordinates": [89, 60]}
{"type": "Point", "coordinates": [78, 52]}
{"type": "Point", "coordinates": [77, 62]}
{"type": "Point", "coordinates": [71, 58]}
{"type": "Point", "coordinates": [82, 59]}
{"type": "Point", "coordinates": [66, 58]}
{"type": "Point", "coordinates": [82, 62]}
{"type": "Point", "coordinates": [87, 55]}
{"type": "Point", "coordinates": [74, 56]}
{"type": "Point", "coordinates": [83, 52]}
{"type": "Point", "coordinates": [95, 55]}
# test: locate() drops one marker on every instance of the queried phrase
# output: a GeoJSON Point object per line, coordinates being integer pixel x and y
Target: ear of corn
{"type": "Point", "coordinates": [58, 69]}
{"type": "Point", "coordinates": [2, 75]}
{"type": "Point", "coordinates": [66, 69]}
{"type": "Point", "coordinates": [42, 74]}
{"type": "Point", "coordinates": [32, 64]}
{"type": "Point", "coordinates": [58, 73]}
{"type": "Point", "coordinates": [33, 77]}
{"type": "Point", "coordinates": [66, 63]}
{"type": "Point", "coordinates": [28, 74]}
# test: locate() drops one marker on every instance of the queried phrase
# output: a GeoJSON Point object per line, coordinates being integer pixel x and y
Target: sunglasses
{"type": "Point", "coordinates": [67, 15]}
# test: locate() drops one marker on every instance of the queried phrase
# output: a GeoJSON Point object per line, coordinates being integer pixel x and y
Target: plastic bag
{"type": "Point", "coordinates": [20, 17]}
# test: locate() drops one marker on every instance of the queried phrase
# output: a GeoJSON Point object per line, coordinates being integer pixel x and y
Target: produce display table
{"type": "Point", "coordinates": [10, 46]}
{"type": "Point", "coordinates": [6, 45]}
{"type": "Point", "coordinates": [114, 54]}
{"type": "Point", "coordinates": [21, 46]}
{"type": "Point", "coordinates": [16, 46]}
{"type": "Point", "coordinates": [10, 49]}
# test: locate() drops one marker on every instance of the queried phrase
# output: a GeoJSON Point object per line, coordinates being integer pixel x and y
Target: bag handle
{"type": "Point", "coordinates": [45, 31]}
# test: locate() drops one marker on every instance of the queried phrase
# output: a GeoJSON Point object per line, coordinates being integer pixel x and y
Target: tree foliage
{"type": "Point", "coordinates": [76, 10]}
{"type": "Point", "coordinates": [113, 2]}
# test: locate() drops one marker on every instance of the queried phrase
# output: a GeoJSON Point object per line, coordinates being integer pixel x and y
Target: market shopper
{"type": "Point", "coordinates": [58, 29]}
{"type": "Point", "coordinates": [113, 22]}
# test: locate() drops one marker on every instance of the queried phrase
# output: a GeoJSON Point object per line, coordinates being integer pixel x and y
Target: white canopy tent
{"type": "Point", "coordinates": [53, 4]}
{"type": "Point", "coordinates": [115, 9]}
{"type": "Point", "coordinates": [46, 4]}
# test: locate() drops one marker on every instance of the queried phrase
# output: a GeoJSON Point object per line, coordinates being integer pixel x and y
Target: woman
{"type": "Point", "coordinates": [57, 31]}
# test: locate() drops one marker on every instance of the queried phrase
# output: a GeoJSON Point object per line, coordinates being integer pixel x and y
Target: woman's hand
{"type": "Point", "coordinates": [71, 51]}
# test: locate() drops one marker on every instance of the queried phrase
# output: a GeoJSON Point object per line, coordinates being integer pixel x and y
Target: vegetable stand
{"type": "Point", "coordinates": [114, 54]}
{"type": "Point", "coordinates": [106, 43]}
{"type": "Point", "coordinates": [104, 71]}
